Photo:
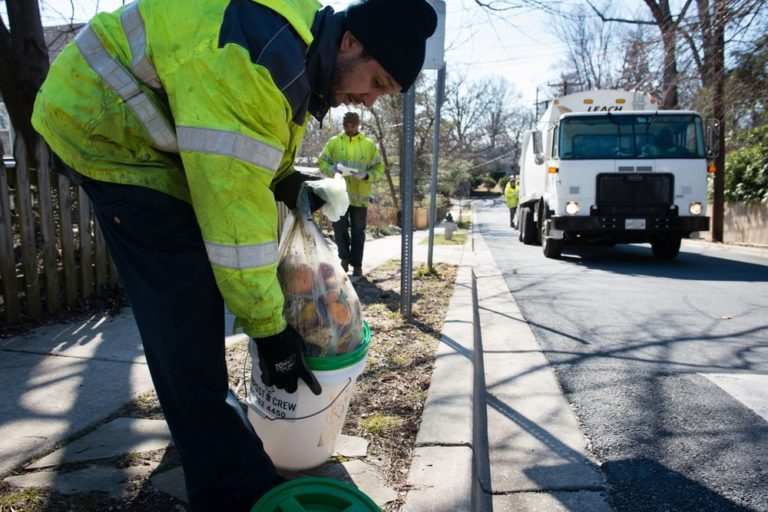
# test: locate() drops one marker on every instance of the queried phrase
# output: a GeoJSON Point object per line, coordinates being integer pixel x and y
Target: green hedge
{"type": "Point", "coordinates": [746, 169]}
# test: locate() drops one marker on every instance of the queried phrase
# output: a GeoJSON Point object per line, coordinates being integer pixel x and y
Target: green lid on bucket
{"type": "Point", "coordinates": [315, 494]}
{"type": "Point", "coordinates": [342, 360]}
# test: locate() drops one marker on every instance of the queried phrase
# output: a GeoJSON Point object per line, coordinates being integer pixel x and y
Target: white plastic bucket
{"type": "Point", "coordinates": [299, 430]}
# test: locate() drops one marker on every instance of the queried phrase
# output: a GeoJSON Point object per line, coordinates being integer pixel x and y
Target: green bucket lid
{"type": "Point", "coordinates": [315, 494]}
{"type": "Point", "coordinates": [343, 360]}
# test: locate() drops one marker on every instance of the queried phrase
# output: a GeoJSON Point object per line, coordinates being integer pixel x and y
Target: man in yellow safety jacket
{"type": "Point", "coordinates": [180, 120]}
{"type": "Point", "coordinates": [357, 158]}
{"type": "Point", "coordinates": [511, 195]}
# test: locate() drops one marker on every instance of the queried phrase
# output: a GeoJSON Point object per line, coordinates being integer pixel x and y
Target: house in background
{"type": "Point", "coordinates": [55, 38]}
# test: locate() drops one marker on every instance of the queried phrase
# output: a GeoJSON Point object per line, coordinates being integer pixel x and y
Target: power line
{"type": "Point", "coordinates": [508, 153]}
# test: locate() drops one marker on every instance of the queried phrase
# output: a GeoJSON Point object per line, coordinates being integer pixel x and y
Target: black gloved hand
{"type": "Point", "coordinates": [281, 359]}
{"type": "Point", "coordinates": [287, 191]}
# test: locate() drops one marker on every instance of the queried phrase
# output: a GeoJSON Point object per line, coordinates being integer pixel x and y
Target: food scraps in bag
{"type": "Point", "coordinates": [320, 301]}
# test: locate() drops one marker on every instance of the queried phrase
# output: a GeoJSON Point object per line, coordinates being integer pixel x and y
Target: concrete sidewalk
{"type": "Point", "coordinates": [59, 380]}
{"type": "Point", "coordinates": [521, 443]}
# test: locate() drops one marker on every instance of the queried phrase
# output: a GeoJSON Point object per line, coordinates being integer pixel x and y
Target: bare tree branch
{"type": "Point", "coordinates": [508, 5]}
{"type": "Point", "coordinates": [496, 9]}
{"type": "Point", "coordinates": [695, 53]}
{"type": "Point", "coordinates": [681, 15]}
{"type": "Point", "coordinates": [606, 19]}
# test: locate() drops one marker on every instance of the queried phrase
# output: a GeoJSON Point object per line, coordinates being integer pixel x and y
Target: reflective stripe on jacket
{"type": "Point", "coordinates": [205, 101]}
{"type": "Point", "coordinates": [510, 193]}
{"type": "Point", "coordinates": [358, 152]}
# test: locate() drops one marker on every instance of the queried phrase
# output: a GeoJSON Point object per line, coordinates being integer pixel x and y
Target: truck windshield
{"type": "Point", "coordinates": [631, 136]}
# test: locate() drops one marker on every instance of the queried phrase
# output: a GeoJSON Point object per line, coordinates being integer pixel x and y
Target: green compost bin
{"type": "Point", "coordinates": [315, 494]}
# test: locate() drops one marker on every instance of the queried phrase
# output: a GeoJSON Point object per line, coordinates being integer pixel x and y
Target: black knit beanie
{"type": "Point", "coordinates": [394, 32]}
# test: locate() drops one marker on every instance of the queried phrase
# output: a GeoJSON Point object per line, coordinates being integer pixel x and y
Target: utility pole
{"type": "Point", "coordinates": [718, 107]}
{"type": "Point", "coordinates": [563, 85]}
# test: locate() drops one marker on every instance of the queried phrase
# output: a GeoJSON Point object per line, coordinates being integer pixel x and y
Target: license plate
{"type": "Point", "coordinates": [634, 223]}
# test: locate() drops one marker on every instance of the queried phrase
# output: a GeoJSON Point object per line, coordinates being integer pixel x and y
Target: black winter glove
{"type": "Point", "coordinates": [288, 189]}
{"type": "Point", "coordinates": [281, 359]}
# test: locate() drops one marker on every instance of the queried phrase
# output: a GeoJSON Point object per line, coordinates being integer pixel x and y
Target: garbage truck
{"type": "Point", "coordinates": [605, 167]}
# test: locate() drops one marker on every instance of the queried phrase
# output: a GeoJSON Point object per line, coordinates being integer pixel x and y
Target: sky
{"type": "Point", "coordinates": [517, 45]}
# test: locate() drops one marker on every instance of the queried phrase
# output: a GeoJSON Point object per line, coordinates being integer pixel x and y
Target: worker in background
{"type": "Point", "coordinates": [180, 120]}
{"type": "Point", "coordinates": [357, 158]}
{"type": "Point", "coordinates": [511, 195]}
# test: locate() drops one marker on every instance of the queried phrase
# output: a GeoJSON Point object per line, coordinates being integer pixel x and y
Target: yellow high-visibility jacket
{"type": "Point", "coordinates": [204, 100]}
{"type": "Point", "coordinates": [358, 152]}
{"type": "Point", "coordinates": [511, 194]}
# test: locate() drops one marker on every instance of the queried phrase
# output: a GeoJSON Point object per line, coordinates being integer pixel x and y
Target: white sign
{"type": "Point", "coordinates": [435, 52]}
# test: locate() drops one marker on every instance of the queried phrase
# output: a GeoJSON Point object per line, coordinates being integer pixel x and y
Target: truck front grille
{"type": "Point", "coordinates": [636, 194]}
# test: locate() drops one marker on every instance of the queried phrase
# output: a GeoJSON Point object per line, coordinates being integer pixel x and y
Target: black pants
{"type": "Point", "coordinates": [157, 247]}
{"type": "Point", "coordinates": [352, 249]}
{"type": "Point", "coordinates": [512, 211]}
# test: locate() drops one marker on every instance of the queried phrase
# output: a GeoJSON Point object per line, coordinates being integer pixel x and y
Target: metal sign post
{"type": "Point", "coordinates": [435, 153]}
{"type": "Point", "coordinates": [434, 59]}
{"type": "Point", "coordinates": [406, 193]}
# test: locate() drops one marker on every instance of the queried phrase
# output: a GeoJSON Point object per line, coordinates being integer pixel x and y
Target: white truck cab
{"type": "Point", "coordinates": [607, 167]}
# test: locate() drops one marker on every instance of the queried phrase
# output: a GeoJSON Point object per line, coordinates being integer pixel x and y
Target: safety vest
{"type": "Point", "coordinates": [358, 152]}
{"type": "Point", "coordinates": [510, 193]}
{"type": "Point", "coordinates": [203, 100]}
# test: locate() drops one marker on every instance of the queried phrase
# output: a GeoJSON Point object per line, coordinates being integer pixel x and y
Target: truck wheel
{"type": "Point", "coordinates": [552, 247]}
{"type": "Point", "coordinates": [527, 227]}
{"type": "Point", "coordinates": [666, 247]}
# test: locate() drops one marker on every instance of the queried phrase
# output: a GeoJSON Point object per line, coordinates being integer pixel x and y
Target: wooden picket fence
{"type": "Point", "coordinates": [53, 256]}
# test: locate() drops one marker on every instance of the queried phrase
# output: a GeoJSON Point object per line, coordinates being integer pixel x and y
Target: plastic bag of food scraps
{"type": "Point", "coordinates": [320, 301]}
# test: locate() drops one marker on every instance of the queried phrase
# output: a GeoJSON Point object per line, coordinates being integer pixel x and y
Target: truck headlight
{"type": "Point", "coordinates": [572, 208]}
{"type": "Point", "coordinates": [695, 208]}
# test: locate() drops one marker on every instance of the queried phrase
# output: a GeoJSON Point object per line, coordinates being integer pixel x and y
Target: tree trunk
{"type": "Point", "coordinates": [712, 20]}
{"type": "Point", "coordinates": [669, 98]}
{"type": "Point", "coordinates": [663, 19]}
{"type": "Point", "coordinates": [23, 65]}
{"type": "Point", "coordinates": [388, 175]}
{"type": "Point", "coordinates": [718, 111]}
{"type": "Point", "coordinates": [385, 158]}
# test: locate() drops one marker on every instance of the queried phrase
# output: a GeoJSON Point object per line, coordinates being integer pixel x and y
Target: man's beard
{"type": "Point", "coordinates": [342, 69]}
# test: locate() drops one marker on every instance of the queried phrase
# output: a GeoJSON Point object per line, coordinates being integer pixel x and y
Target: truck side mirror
{"type": "Point", "coordinates": [712, 138]}
{"type": "Point", "coordinates": [538, 152]}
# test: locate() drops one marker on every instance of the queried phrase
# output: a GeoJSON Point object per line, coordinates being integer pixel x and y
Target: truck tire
{"type": "Point", "coordinates": [666, 247]}
{"type": "Point", "coordinates": [527, 227]}
{"type": "Point", "coordinates": [552, 247]}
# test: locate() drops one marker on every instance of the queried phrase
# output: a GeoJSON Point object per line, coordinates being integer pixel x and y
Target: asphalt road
{"type": "Point", "coordinates": [664, 362]}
